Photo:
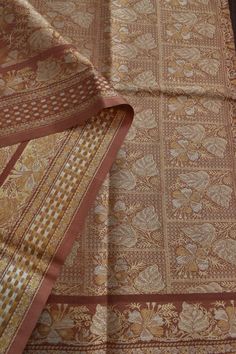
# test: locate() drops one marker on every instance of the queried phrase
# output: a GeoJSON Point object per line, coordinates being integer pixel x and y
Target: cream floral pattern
{"type": "Point", "coordinates": [198, 191]}
{"type": "Point", "coordinates": [30, 32]}
{"type": "Point", "coordinates": [144, 322]}
{"type": "Point", "coordinates": [130, 12]}
{"type": "Point", "coordinates": [192, 258]}
{"type": "Point", "coordinates": [140, 226]}
{"type": "Point", "coordinates": [193, 320]}
{"type": "Point", "coordinates": [56, 326]}
{"type": "Point", "coordinates": [124, 79]}
{"type": "Point", "coordinates": [179, 117]}
{"type": "Point", "coordinates": [191, 63]}
{"type": "Point", "coordinates": [130, 47]}
{"type": "Point", "coordinates": [226, 319]}
{"type": "Point", "coordinates": [78, 15]}
{"type": "Point", "coordinates": [185, 3]}
{"type": "Point", "coordinates": [105, 322]}
{"type": "Point", "coordinates": [41, 39]}
{"type": "Point", "coordinates": [125, 276]}
{"type": "Point", "coordinates": [150, 278]}
{"type": "Point", "coordinates": [191, 106]}
{"type": "Point", "coordinates": [201, 248]}
{"type": "Point", "coordinates": [47, 70]}
{"type": "Point", "coordinates": [192, 143]}
{"type": "Point", "coordinates": [144, 126]}
{"type": "Point", "coordinates": [50, 70]}
{"type": "Point", "coordinates": [190, 26]}
{"type": "Point", "coordinates": [140, 172]}
{"type": "Point", "coordinates": [10, 84]}
{"type": "Point", "coordinates": [166, 59]}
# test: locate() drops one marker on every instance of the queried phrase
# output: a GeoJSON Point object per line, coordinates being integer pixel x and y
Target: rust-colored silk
{"type": "Point", "coordinates": [153, 269]}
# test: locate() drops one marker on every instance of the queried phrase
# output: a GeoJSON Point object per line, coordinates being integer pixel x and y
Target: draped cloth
{"type": "Point", "coordinates": [110, 246]}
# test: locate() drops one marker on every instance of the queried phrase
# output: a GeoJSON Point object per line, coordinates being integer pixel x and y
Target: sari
{"type": "Point", "coordinates": [111, 245]}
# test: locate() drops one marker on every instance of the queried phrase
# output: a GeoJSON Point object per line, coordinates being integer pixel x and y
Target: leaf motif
{"type": "Point", "coordinates": [119, 206]}
{"type": "Point", "coordinates": [60, 323]}
{"type": "Point", "coordinates": [98, 319]}
{"type": "Point", "coordinates": [125, 14]}
{"type": "Point", "coordinates": [145, 41]}
{"type": "Point", "coordinates": [121, 154]}
{"type": "Point", "coordinates": [45, 318]}
{"type": "Point", "coordinates": [194, 133]}
{"type": "Point", "coordinates": [30, 183]}
{"type": "Point", "coordinates": [105, 322]}
{"type": "Point", "coordinates": [147, 219]}
{"type": "Point", "coordinates": [145, 80]}
{"type": "Point", "coordinates": [212, 105]}
{"type": "Point", "coordinates": [123, 235]}
{"type": "Point", "coordinates": [145, 119]}
{"type": "Point", "coordinates": [197, 180]}
{"type": "Point", "coordinates": [123, 179]}
{"type": "Point", "coordinates": [220, 194]}
{"type": "Point", "coordinates": [216, 146]}
{"type": "Point", "coordinates": [192, 319]}
{"type": "Point", "coordinates": [212, 287]}
{"type": "Point", "coordinates": [187, 18]}
{"type": "Point", "coordinates": [146, 166]}
{"type": "Point", "coordinates": [137, 318]}
{"type": "Point", "coordinates": [221, 314]}
{"type": "Point", "coordinates": [144, 7]}
{"type": "Point", "coordinates": [226, 249]}
{"type": "Point", "coordinates": [125, 50]}
{"type": "Point", "coordinates": [132, 133]}
{"type": "Point", "coordinates": [41, 39]}
{"type": "Point", "coordinates": [209, 66]}
{"type": "Point", "coordinates": [83, 19]}
{"type": "Point", "coordinates": [177, 103]}
{"type": "Point", "coordinates": [205, 29]}
{"type": "Point", "coordinates": [203, 2]}
{"type": "Point", "coordinates": [203, 234]}
{"type": "Point", "coordinates": [191, 54]}
{"type": "Point", "coordinates": [149, 280]}
{"type": "Point", "coordinates": [63, 7]}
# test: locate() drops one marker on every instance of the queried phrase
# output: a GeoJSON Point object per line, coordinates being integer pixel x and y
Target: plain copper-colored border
{"type": "Point", "coordinates": [143, 298]}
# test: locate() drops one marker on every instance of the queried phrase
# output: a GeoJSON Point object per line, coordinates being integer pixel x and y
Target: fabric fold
{"type": "Point", "coordinates": [153, 268]}
{"type": "Point", "coordinates": [47, 63]}
{"type": "Point", "coordinates": [61, 125]}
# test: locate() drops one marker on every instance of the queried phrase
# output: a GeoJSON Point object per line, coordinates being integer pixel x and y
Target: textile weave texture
{"type": "Point", "coordinates": [114, 244]}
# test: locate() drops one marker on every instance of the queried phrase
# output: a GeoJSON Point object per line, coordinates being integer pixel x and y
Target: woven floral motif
{"type": "Point", "coordinates": [153, 269]}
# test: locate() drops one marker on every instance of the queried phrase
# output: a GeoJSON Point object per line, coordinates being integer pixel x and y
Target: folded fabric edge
{"type": "Point", "coordinates": [30, 319]}
{"type": "Point", "coordinates": [72, 121]}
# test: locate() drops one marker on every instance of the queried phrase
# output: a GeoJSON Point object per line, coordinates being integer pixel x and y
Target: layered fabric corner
{"type": "Point", "coordinates": [61, 125]}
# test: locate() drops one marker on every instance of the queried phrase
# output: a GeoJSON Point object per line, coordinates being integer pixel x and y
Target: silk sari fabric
{"type": "Point", "coordinates": [138, 256]}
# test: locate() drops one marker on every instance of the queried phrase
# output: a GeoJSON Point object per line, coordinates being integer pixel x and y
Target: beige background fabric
{"type": "Point", "coordinates": [171, 187]}
{"type": "Point", "coordinates": [164, 221]}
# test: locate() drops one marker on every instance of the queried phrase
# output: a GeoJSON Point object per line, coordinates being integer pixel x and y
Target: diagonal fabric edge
{"type": "Point", "coordinates": [44, 290]}
{"type": "Point", "coordinates": [53, 90]}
